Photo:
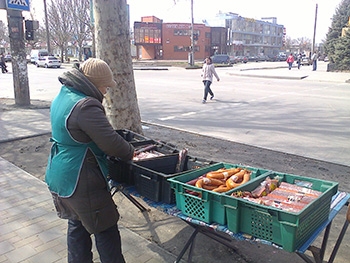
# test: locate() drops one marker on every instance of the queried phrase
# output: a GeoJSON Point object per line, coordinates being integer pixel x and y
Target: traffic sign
{"type": "Point", "coordinates": [2, 4]}
{"type": "Point", "coordinates": [22, 5]}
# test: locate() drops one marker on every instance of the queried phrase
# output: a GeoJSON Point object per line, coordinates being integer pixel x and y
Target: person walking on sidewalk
{"type": "Point", "coordinates": [208, 71]}
{"type": "Point", "coordinates": [76, 172]}
{"type": "Point", "coordinates": [314, 61]}
{"type": "Point", "coordinates": [3, 64]}
{"type": "Point", "coordinates": [290, 61]}
{"type": "Point", "coordinates": [299, 58]}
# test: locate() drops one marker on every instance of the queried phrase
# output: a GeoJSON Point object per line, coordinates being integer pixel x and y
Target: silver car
{"type": "Point", "coordinates": [48, 62]}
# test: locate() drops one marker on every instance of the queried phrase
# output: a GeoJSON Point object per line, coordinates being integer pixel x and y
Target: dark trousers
{"type": "Point", "coordinates": [3, 67]}
{"type": "Point", "coordinates": [207, 89]}
{"type": "Point", "coordinates": [108, 244]}
{"type": "Point", "coordinates": [314, 65]}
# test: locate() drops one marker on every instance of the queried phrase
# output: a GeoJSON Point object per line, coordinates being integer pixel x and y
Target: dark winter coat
{"type": "Point", "coordinates": [90, 202]}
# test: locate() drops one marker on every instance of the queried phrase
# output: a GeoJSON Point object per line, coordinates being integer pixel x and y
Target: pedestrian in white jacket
{"type": "Point", "coordinates": [208, 71]}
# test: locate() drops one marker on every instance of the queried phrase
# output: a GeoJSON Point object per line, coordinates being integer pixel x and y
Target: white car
{"type": "Point", "coordinates": [48, 62]}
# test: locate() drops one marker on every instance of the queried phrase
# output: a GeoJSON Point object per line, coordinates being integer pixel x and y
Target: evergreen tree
{"type": "Point", "coordinates": [337, 47]}
{"type": "Point", "coordinates": [341, 54]}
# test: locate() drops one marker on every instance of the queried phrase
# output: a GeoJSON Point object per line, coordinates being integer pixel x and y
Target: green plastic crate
{"type": "Point", "coordinates": [286, 229]}
{"type": "Point", "coordinates": [206, 207]}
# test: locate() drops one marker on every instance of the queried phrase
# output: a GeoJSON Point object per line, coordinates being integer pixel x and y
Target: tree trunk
{"type": "Point", "coordinates": [113, 46]}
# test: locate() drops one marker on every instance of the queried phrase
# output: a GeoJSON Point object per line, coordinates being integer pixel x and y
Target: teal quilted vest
{"type": "Point", "coordinates": [67, 154]}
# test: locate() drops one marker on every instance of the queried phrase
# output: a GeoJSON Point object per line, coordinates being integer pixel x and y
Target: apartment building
{"type": "Point", "coordinates": [248, 36]}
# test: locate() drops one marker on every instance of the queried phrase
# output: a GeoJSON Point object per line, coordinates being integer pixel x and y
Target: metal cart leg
{"type": "Point", "coordinates": [134, 201]}
{"type": "Point", "coordinates": [324, 242]}
{"type": "Point", "coordinates": [317, 253]}
{"type": "Point", "coordinates": [189, 243]}
{"type": "Point", "coordinates": [340, 238]}
{"type": "Point", "coordinates": [118, 188]}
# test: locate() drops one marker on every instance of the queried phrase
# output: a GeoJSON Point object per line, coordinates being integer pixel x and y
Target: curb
{"type": "Point", "coordinates": [149, 68]}
{"type": "Point", "coordinates": [268, 77]}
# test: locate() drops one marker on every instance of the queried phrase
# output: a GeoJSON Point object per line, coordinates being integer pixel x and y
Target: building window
{"type": "Point", "coordinates": [181, 32]}
{"type": "Point", "coordinates": [185, 48]}
{"type": "Point", "coordinates": [147, 33]}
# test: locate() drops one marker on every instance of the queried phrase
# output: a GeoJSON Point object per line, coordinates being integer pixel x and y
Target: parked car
{"type": "Point", "coordinates": [8, 58]}
{"type": "Point", "coordinates": [253, 58]}
{"type": "Point", "coordinates": [35, 54]}
{"type": "Point", "coordinates": [305, 61]}
{"type": "Point", "coordinates": [221, 59]}
{"type": "Point", "coordinates": [281, 57]}
{"type": "Point", "coordinates": [234, 59]}
{"type": "Point", "coordinates": [48, 62]}
{"type": "Point", "coordinates": [243, 59]}
{"type": "Point", "coordinates": [262, 58]}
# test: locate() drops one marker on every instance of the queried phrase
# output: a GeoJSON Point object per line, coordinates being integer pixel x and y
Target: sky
{"type": "Point", "coordinates": [297, 16]}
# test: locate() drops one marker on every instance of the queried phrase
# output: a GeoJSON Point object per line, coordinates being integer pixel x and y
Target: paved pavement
{"type": "Point", "coordinates": [30, 230]}
{"type": "Point", "coordinates": [266, 70]}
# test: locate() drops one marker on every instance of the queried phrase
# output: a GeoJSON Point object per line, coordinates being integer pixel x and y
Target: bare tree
{"type": "Point", "coordinates": [304, 43]}
{"type": "Point", "coordinates": [81, 23]}
{"type": "Point", "coordinates": [3, 33]}
{"type": "Point", "coordinates": [113, 46]}
{"type": "Point", "coordinates": [60, 25]}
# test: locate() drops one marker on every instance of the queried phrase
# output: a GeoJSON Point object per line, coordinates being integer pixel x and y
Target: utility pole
{"type": "Point", "coordinates": [192, 36]}
{"type": "Point", "coordinates": [19, 61]}
{"type": "Point", "coordinates": [47, 29]}
{"type": "Point", "coordinates": [313, 40]}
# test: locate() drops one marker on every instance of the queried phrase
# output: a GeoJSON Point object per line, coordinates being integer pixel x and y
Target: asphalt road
{"type": "Point", "coordinates": [288, 114]}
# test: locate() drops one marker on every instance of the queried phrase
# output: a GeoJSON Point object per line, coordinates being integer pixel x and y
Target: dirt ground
{"type": "Point", "coordinates": [171, 233]}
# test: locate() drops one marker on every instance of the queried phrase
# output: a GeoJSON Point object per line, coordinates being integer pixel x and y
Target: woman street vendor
{"type": "Point", "coordinates": [77, 168]}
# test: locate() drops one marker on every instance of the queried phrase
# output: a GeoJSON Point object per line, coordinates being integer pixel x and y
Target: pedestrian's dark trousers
{"type": "Point", "coordinates": [207, 89]}
{"type": "Point", "coordinates": [3, 67]}
{"type": "Point", "coordinates": [108, 244]}
{"type": "Point", "coordinates": [314, 65]}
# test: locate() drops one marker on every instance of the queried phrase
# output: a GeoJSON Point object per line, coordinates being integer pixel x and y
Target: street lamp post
{"type": "Point", "coordinates": [47, 29]}
{"type": "Point", "coordinates": [313, 40]}
{"type": "Point", "coordinates": [192, 36]}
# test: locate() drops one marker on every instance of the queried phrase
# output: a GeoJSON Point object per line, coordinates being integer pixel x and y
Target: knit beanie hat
{"type": "Point", "coordinates": [98, 72]}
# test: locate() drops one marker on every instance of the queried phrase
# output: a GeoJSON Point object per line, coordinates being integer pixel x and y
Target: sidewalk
{"type": "Point", "coordinates": [31, 232]}
{"type": "Point", "coordinates": [279, 70]}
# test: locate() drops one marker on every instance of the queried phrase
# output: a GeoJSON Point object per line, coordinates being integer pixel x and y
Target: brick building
{"type": "Point", "coordinates": [226, 33]}
{"type": "Point", "coordinates": [157, 40]}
